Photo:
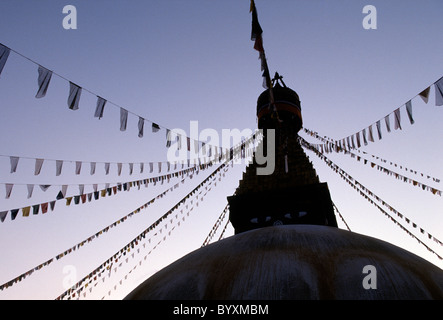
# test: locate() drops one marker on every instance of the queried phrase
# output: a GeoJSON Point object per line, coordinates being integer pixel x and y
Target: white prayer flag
{"type": "Point", "coordinates": [14, 163]}
{"type": "Point", "coordinates": [58, 167]}
{"type": "Point", "coordinates": [107, 165]}
{"type": "Point", "coordinates": [364, 137]}
{"type": "Point", "coordinates": [78, 167]}
{"type": "Point", "coordinates": [119, 168]}
{"type": "Point", "coordinates": [100, 108]}
{"type": "Point", "coordinates": [370, 136]}
{"type": "Point", "coordinates": [409, 111]}
{"type": "Point", "coordinates": [38, 166]}
{"type": "Point", "coordinates": [93, 165]}
{"type": "Point", "coordinates": [30, 190]}
{"type": "Point", "coordinates": [397, 124]}
{"type": "Point", "coordinates": [44, 77]}
{"type": "Point", "coordinates": [131, 168]}
{"type": "Point", "coordinates": [8, 190]}
{"type": "Point", "coordinates": [388, 125]}
{"type": "Point", "coordinates": [141, 124]}
{"type": "Point", "coordinates": [123, 119]}
{"type": "Point", "coordinates": [74, 96]}
{"type": "Point", "coordinates": [378, 124]}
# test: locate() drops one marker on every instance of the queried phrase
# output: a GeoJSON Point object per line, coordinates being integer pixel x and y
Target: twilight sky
{"type": "Point", "coordinates": [173, 62]}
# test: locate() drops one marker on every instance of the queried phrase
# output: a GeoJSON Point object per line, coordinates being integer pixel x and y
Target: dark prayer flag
{"type": "Point", "coordinates": [155, 127]}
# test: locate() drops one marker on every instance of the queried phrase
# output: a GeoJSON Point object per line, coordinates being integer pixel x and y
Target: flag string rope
{"type": "Point", "coordinates": [216, 225]}
{"type": "Point", "coordinates": [92, 281]}
{"type": "Point", "coordinates": [77, 95]}
{"type": "Point", "coordinates": [224, 229]}
{"type": "Point", "coordinates": [389, 172]}
{"type": "Point", "coordinates": [337, 146]}
{"type": "Point", "coordinates": [82, 243]}
{"type": "Point", "coordinates": [95, 194]}
{"type": "Point", "coordinates": [340, 215]}
{"type": "Point", "coordinates": [367, 194]}
{"type": "Point", "coordinates": [98, 194]}
{"type": "Point", "coordinates": [235, 151]}
{"type": "Point", "coordinates": [141, 235]}
{"type": "Point", "coordinates": [438, 86]}
{"type": "Point", "coordinates": [161, 240]}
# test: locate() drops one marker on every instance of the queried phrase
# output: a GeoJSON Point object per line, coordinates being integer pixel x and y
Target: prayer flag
{"type": "Point", "coordinates": [123, 119]}
{"type": "Point", "coordinates": [3, 215]}
{"type": "Point", "coordinates": [168, 138]}
{"type": "Point", "coordinates": [78, 167]}
{"type": "Point", "coordinates": [370, 136]}
{"type": "Point", "coordinates": [100, 107]}
{"type": "Point", "coordinates": [425, 94]}
{"type": "Point", "coordinates": [397, 124]}
{"type": "Point", "coordinates": [74, 96]}
{"type": "Point", "coordinates": [38, 166]}
{"type": "Point", "coordinates": [388, 125]}
{"type": "Point", "coordinates": [378, 124]}
{"type": "Point", "coordinates": [93, 165]}
{"type": "Point", "coordinates": [14, 163]}
{"type": "Point", "coordinates": [439, 92]}
{"type": "Point", "coordinates": [30, 190]}
{"type": "Point", "coordinates": [44, 77]}
{"type": "Point", "coordinates": [364, 137]}
{"type": "Point", "coordinates": [8, 190]}
{"type": "Point", "coordinates": [409, 111]}
{"type": "Point", "coordinates": [141, 124]}
{"type": "Point", "coordinates": [256, 28]}
{"type": "Point", "coordinates": [155, 127]}
{"type": "Point", "coordinates": [58, 167]}
{"type": "Point", "coordinates": [4, 54]}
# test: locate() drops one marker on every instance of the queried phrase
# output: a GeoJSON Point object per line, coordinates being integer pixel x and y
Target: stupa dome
{"type": "Point", "coordinates": [295, 262]}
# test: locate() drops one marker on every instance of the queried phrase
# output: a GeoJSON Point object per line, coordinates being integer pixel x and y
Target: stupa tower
{"type": "Point", "coordinates": [291, 193]}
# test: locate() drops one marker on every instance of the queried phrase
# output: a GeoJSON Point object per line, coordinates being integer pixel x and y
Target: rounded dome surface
{"type": "Point", "coordinates": [295, 262]}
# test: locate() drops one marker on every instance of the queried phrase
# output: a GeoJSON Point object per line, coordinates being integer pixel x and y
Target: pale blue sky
{"type": "Point", "coordinates": [177, 61]}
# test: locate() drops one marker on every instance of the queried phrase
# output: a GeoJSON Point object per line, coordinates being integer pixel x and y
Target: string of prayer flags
{"type": "Point", "coordinates": [366, 193]}
{"type": "Point", "coordinates": [397, 114]}
{"type": "Point", "coordinates": [4, 54]}
{"type": "Point", "coordinates": [106, 229]}
{"type": "Point", "coordinates": [44, 208]}
{"type": "Point", "coordinates": [256, 36]}
{"type": "Point", "coordinates": [396, 175]}
{"type": "Point", "coordinates": [331, 145]}
{"type": "Point", "coordinates": [74, 96]}
{"type": "Point", "coordinates": [108, 190]}
{"type": "Point", "coordinates": [75, 91]}
{"type": "Point", "coordinates": [107, 265]}
{"type": "Point", "coordinates": [44, 77]}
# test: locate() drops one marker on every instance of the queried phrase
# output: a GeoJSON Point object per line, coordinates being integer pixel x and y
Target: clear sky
{"type": "Point", "coordinates": [173, 62]}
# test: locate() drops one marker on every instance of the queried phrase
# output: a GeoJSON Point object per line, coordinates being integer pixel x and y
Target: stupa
{"type": "Point", "coordinates": [287, 244]}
